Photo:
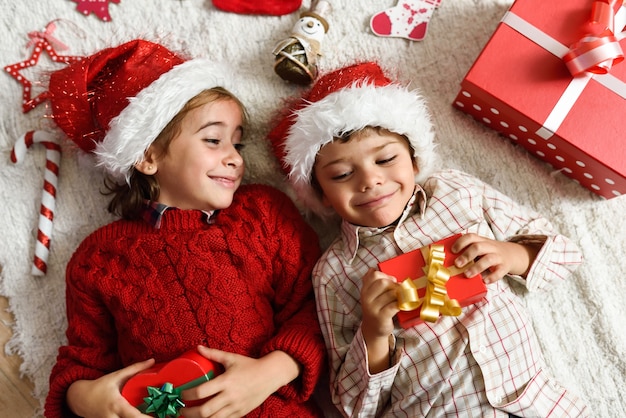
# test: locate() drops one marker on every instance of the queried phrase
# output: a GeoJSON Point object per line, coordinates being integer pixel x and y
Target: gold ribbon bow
{"type": "Point", "coordinates": [436, 300]}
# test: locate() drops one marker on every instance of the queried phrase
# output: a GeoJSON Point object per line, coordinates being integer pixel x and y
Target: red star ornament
{"type": "Point", "coordinates": [42, 42]}
{"type": "Point", "coordinates": [99, 7]}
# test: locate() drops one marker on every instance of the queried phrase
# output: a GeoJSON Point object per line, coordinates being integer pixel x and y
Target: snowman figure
{"type": "Point", "coordinates": [296, 56]}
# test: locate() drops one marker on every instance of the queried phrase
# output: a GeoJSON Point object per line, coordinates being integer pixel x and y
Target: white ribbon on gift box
{"type": "Point", "coordinates": [578, 83]}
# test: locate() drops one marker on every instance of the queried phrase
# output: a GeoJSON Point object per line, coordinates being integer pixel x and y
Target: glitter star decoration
{"type": "Point", "coordinates": [98, 7]}
{"type": "Point", "coordinates": [42, 41]}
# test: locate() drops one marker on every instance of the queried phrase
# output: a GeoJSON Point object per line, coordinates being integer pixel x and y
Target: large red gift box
{"type": "Point", "coordinates": [156, 391]}
{"type": "Point", "coordinates": [521, 87]}
{"type": "Point", "coordinates": [412, 266]}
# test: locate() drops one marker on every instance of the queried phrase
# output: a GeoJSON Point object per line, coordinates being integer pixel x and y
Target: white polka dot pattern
{"type": "Point", "coordinates": [587, 170]}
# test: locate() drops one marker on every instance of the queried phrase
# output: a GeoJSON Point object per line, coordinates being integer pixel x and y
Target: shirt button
{"type": "Point", "coordinates": [482, 349]}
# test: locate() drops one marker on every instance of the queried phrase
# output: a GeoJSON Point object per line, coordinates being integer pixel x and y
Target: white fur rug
{"type": "Point", "coordinates": [580, 324]}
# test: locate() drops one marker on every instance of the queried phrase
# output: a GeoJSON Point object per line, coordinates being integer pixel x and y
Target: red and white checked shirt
{"type": "Point", "coordinates": [485, 362]}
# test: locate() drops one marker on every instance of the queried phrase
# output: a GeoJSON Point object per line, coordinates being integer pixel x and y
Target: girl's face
{"type": "Point", "coordinates": [367, 180]}
{"type": "Point", "coordinates": [203, 166]}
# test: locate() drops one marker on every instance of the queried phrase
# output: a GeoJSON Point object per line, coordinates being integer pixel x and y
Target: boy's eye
{"type": "Point", "coordinates": [212, 141]}
{"type": "Point", "coordinates": [386, 160]}
{"type": "Point", "coordinates": [239, 147]}
{"type": "Point", "coordinates": [341, 176]}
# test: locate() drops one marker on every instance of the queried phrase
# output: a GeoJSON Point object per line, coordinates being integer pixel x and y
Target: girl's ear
{"type": "Point", "coordinates": [148, 165]}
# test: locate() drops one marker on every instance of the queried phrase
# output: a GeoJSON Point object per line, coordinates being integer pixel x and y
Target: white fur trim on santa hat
{"type": "Point", "coordinates": [392, 107]}
{"type": "Point", "coordinates": [138, 125]}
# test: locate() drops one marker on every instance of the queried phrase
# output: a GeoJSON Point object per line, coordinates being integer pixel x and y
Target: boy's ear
{"type": "Point", "coordinates": [148, 165]}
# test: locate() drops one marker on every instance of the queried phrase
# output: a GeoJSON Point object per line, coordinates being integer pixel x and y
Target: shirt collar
{"type": "Point", "coordinates": [153, 213]}
{"type": "Point", "coordinates": [353, 233]}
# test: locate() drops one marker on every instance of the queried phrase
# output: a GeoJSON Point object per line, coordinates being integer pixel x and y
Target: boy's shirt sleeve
{"type": "Point", "coordinates": [558, 256]}
{"type": "Point", "coordinates": [354, 390]}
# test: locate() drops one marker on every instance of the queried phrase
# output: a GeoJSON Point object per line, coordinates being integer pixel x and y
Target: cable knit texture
{"type": "Point", "coordinates": [240, 284]}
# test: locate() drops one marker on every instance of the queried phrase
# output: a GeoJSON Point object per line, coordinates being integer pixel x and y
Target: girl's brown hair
{"type": "Point", "coordinates": [128, 198]}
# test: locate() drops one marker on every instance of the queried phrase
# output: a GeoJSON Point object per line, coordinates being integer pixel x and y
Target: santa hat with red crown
{"type": "Point", "coordinates": [116, 102]}
{"type": "Point", "coordinates": [344, 101]}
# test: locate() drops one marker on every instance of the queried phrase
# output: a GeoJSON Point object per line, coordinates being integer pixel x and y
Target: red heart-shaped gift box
{"type": "Point", "coordinates": [189, 367]}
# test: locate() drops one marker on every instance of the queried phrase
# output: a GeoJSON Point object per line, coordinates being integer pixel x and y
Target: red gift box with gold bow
{"type": "Point", "coordinates": [551, 80]}
{"type": "Point", "coordinates": [157, 390]}
{"type": "Point", "coordinates": [430, 284]}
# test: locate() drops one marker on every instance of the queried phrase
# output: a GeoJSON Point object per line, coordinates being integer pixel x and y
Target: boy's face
{"type": "Point", "coordinates": [367, 180]}
{"type": "Point", "coordinates": [203, 167]}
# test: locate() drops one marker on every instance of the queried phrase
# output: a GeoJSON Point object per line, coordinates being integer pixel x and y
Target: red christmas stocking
{"type": "Point", "coordinates": [408, 19]}
{"type": "Point", "coordinates": [258, 7]}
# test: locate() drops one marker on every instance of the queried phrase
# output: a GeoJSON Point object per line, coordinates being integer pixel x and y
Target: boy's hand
{"type": "Point", "coordinates": [493, 259]}
{"type": "Point", "coordinates": [102, 398]}
{"type": "Point", "coordinates": [379, 305]}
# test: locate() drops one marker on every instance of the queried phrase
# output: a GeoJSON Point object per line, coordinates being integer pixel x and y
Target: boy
{"type": "Point", "coordinates": [362, 147]}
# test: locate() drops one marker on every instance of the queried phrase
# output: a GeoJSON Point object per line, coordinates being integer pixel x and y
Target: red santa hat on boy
{"type": "Point", "coordinates": [116, 102]}
{"type": "Point", "coordinates": [343, 101]}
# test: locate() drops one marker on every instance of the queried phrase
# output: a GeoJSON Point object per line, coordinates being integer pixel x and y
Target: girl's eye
{"type": "Point", "coordinates": [239, 147]}
{"type": "Point", "coordinates": [212, 141]}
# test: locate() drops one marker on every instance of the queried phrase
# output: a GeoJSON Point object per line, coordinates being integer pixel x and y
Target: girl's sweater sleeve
{"type": "Point", "coordinates": [89, 328]}
{"type": "Point", "coordinates": [295, 251]}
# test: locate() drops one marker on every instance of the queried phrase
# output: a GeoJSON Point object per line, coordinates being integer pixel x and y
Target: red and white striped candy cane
{"type": "Point", "coordinates": [48, 197]}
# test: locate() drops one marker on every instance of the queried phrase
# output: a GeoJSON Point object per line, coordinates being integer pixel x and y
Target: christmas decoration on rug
{"type": "Point", "coordinates": [258, 7]}
{"type": "Point", "coordinates": [408, 19]}
{"type": "Point", "coordinates": [98, 7]}
{"type": "Point", "coordinates": [296, 56]}
{"type": "Point", "coordinates": [43, 41]}
{"type": "Point", "coordinates": [48, 197]}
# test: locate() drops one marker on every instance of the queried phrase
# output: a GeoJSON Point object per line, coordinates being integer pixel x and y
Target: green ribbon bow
{"type": "Point", "coordinates": [166, 402]}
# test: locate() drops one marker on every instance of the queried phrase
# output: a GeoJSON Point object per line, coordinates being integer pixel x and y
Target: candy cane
{"type": "Point", "coordinates": [48, 197]}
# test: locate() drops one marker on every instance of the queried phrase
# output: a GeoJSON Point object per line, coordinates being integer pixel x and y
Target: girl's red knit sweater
{"type": "Point", "coordinates": [240, 283]}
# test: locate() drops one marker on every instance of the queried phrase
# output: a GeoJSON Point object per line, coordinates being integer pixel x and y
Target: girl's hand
{"type": "Point", "coordinates": [493, 259]}
{"type": "Point", "coordinates": [244, 385]}
{"type": "Point", "coordinates": [102, 398]}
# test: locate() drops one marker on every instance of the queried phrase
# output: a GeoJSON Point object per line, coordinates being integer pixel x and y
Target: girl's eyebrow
{"type": "Point", "coordinates": [218, 123]}
{"type": "Point", "coordinates": [209, 123]}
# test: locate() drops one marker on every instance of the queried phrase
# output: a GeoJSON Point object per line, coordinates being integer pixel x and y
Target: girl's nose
{"type": "Point", "coordinates": [233, 157]}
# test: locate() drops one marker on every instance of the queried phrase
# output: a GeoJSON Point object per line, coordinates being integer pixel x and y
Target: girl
{"type": "Point", "coordinates": [196, 260]}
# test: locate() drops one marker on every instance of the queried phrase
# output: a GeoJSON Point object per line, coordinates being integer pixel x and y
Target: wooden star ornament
{"type": "Point", "coordinates": [43, 42]}
{"type": "Point", "coordinates": [98, 7]}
